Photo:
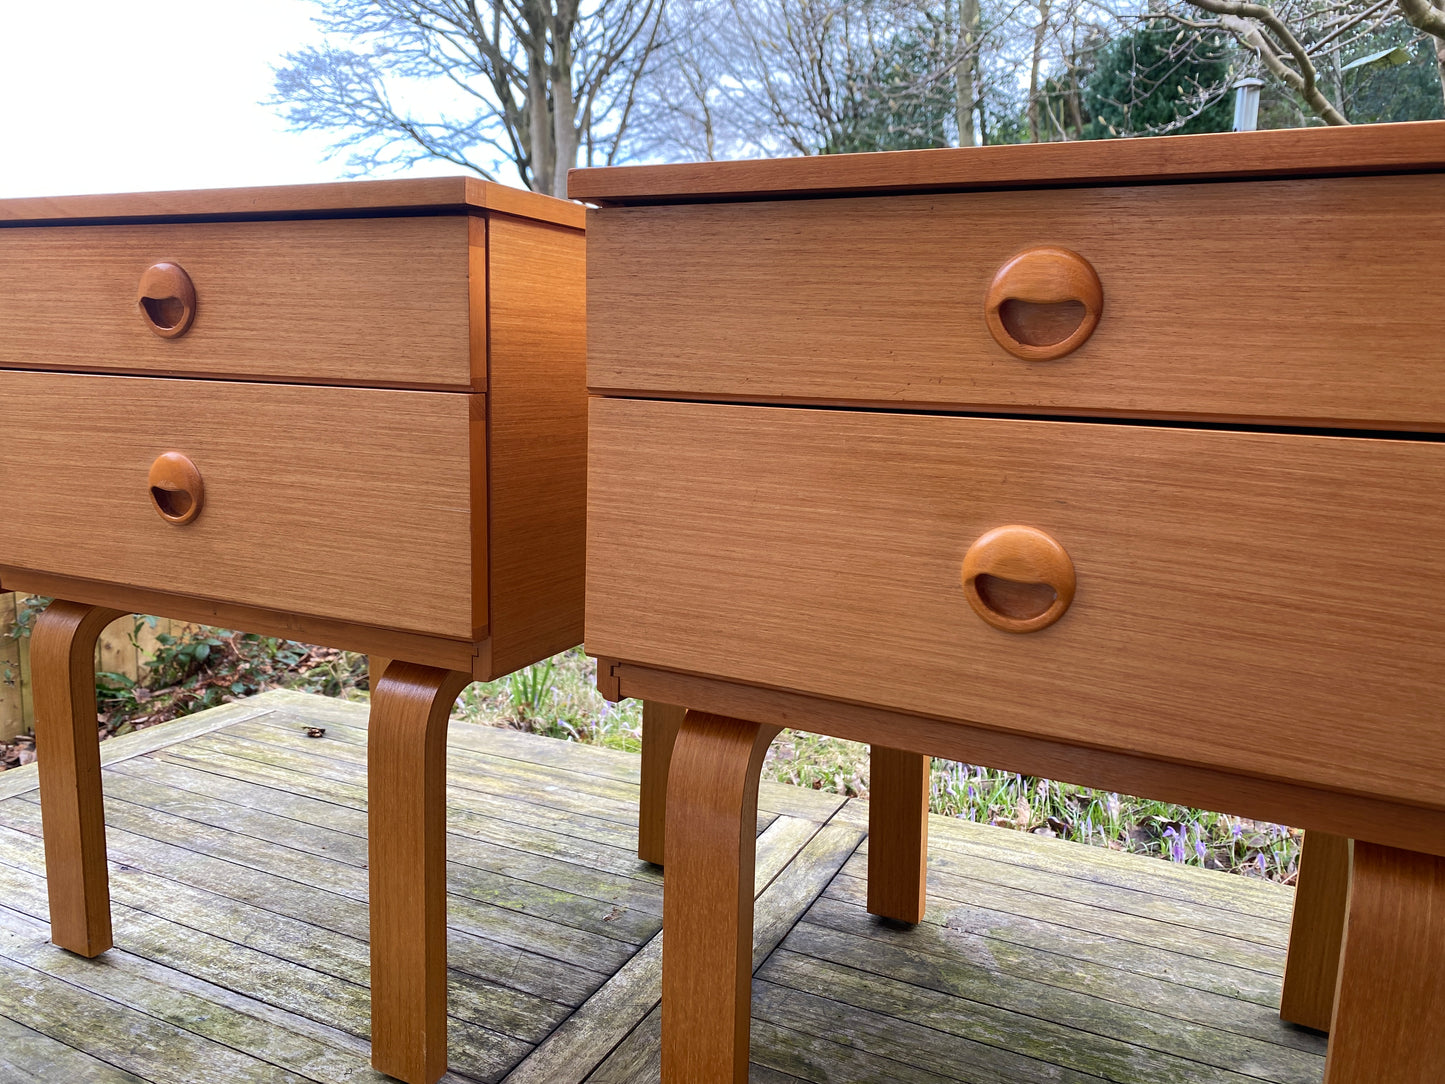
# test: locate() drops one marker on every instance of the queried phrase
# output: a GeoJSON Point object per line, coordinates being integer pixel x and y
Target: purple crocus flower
{"type": "Point", "coordinates": [1176, 845]}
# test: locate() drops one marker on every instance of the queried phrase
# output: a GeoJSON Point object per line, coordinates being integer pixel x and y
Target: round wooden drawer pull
{"type": "Point", "coordinates": [1018, 579]}
{"type": "Point", "coordinates": [166, 299]}
{"type": "Point", "coordinates": [1044, 303]}
{"type": "Point", "coordinates": [176, 488]}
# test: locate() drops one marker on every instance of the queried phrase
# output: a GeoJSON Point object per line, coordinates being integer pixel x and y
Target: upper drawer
{"type": "Point", "coordinates": [356, 504]}
{"type": "Point", "coordinates": [375, 301]}
{"type": "Point", "coordinates": [1302, 300]}
{"type": "Point", "coordinates": [1263, 603]}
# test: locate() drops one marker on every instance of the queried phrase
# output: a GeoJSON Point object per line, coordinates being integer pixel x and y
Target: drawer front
{"type": "Point", "coordinates": [1264, 603]}
{"type": "Point", "coordinates": [354, 301]}
{"type": "Point", "coordinates": [346, 503]}
{"type": "Point", "coordinates": [1304, 300]}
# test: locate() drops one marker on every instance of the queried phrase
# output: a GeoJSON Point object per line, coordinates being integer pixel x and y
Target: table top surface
{"type": "Point", "coordinates": [1296, 152]}
{"type": "Point", "coordinates": [424, 195]}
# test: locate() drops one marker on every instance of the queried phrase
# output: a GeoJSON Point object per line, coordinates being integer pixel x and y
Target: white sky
{"type": "Point", "coordinates": [127, 96]}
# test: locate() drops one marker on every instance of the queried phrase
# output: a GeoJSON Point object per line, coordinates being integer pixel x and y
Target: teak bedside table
{"type": "Point", "coordinates": [351, 414]}
{"type": "Point", "coordinates": [1120, 463]}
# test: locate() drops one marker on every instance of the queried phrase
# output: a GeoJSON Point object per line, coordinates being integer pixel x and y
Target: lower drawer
{"type": "Point", "coordinates": [359, 505]}
{"type": "Point", "coordinates": [1266, 603]}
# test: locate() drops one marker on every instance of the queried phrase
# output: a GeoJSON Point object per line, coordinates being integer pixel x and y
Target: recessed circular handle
{"type": "Point", "coordinates": [1018, 579]}
{"type": "Point", "coordinates": [1044, 303]}
{"type": "Point", "coordinates": [176, 488]}
{"type": "Point", "coordinates": [166, 299]}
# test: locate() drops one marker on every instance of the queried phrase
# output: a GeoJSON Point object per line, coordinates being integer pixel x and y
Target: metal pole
{"type": "Point", "coordinates": [1246, 104]}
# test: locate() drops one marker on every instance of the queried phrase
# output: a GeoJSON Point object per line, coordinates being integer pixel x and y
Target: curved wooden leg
{"type": "Point", "coordinates": [1389, 1022]}
{"type": "Point", "coordinates": [67, 751]}
{"type": "Point", "coordinates": [707, 909]}
{"type": "Point", "coordinates": [898, 833]}
{"type": "Point", "coordinates": [1318, 926]}
{"type": "Point", "coordinates": [659, 734]}
{"type": "Point", "coordinates": [406, 825]}
{"type": "Point", "coordinates": [375, 666]}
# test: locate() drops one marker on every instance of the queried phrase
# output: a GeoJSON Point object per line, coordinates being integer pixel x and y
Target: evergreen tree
{"type": "Point", "coordinates": [899, 104]}
{"type": "Point", "coordinates": [1160, 79]}
{"type": "Point", "coordinates": [1391, 78]}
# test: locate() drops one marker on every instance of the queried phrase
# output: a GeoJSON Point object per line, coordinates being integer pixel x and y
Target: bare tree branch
{"type": "Point", "coordinates": [534, 72]}
{"type": "Point", "coordinates": [1422, 16]}
{"type": "Point", "coordinates": [1247, 22]}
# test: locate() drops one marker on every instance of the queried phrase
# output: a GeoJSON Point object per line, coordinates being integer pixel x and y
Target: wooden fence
{"type": "Point", "coordinates": [115, 653]}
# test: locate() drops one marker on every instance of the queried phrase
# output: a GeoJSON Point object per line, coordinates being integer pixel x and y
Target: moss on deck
{"type": "Point", "coordinates": [238, 870]}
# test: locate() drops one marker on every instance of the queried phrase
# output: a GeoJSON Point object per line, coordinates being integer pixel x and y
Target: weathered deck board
{"type": "Point", "coordinates": [238, 868]}
{"type": "Point", "coordinates": [1100, 866]}
{"type": "Point", "coordinates": [297, 820]}
{"type": "Point", "coordinates": [1092, 964]}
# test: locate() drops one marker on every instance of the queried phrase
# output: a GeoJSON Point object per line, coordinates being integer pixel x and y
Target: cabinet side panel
{"type": "Point", "coordinates": [537, 439]}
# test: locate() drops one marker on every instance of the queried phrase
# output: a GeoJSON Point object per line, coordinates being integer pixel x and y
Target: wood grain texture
{"type": "Point", "coordinates": [707, 966]}
{"type": "Point", "coordinates": [536, 441]}
{"type": "Point", "coordinates": [425, 194]}
{"type": "Point", "coordinates": [881, 301]}
{"type": "Point", "coordinates": [68, 753]}
{"type": "Point", "coordinates": [898, 784]}
{"type": "Point", "coordinates": [659, 733]}
{"type": "Point", "coordinates": [117, 750]}
{"type": "Point", "coordinates": [406, 782]}
{"type": "Point", "coordinates": [1044, 303]}
{"type": "Point", "coordinates": [375, 667]}
{"type": "Point", "coordinates": [1389, 1022]}
{"type": "Point", "coordinates": [1305, 568]}
{"type": "Point", "coordinates": [376, 529]}
{"type": "Point", "coordinates": [1379, 819]}
{"type": "Point", "coordinates": [1321, 898]}
{"type": "Point", "coordinates": [1018, 579]}
{"type": "Point", "coordinates": [430, 650]}
{"type": "Point", "coordinates": [359, 301]}
{"type": "Point", "coordinates": [477, 298]}
{"type": "Point", "coordinates": [1295, 152]}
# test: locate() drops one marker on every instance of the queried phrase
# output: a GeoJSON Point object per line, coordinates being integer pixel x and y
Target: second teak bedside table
{"type": "Point", "coordinates": [985, 453]}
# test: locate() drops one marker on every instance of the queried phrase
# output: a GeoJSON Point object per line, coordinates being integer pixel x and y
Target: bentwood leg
{"type": "Point", "coordinates": [1313, 967]}
{"type": "Point", "coordinates": [707, 957]}
{"type": "Point", "coordinates": [659, 732]}
{"type": "Point", "coordinates": [375, 667]}
{"type": "Point", "coordinates": [1389, 1022]}
{"type": "Point", "coordinates": [67, 749]}
{"type": "Point", "coordinates": [898, 833]}
{"type": "Point", "coordinates": [406, 781]}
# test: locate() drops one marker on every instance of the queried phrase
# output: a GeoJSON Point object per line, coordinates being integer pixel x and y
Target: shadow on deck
{"type": "Point", "coordinates": [238, 872]}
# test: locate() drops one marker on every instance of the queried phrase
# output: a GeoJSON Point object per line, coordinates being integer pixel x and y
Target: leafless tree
{"type": "Point", "coordinates": [970, 39]}
{"type": "Point", "coordinates": [1300, 42]}
{"type": "Point", "coordinates": [746, 77]}
{"type": "Point", "coordinates": [537, 83]}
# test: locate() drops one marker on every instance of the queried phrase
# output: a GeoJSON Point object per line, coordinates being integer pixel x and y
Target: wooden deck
{"type": "Point", "coordinates": [238, 869]}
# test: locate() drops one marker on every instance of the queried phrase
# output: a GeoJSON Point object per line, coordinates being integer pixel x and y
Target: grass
{"type": "Point", "coordinates": [557, 697]}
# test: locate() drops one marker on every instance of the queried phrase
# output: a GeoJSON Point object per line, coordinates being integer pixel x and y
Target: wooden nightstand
{"type": "Point", "coordinates": [1119, 463]}
{"type": "Point", "coordinates": [349, 414]}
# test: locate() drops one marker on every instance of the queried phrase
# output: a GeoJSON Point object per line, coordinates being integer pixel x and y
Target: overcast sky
{"type": "Point", "coordinates": [130, 96]}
